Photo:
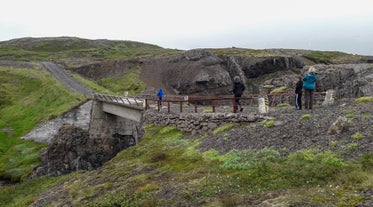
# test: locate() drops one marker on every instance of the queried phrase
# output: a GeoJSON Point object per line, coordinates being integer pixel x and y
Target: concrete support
{"type": "Point", "coordinates": [110, 120]}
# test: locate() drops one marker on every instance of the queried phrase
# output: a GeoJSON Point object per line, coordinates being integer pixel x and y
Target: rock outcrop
{"type": "Point", "coordinates": [196, 71]}
{"type": "Point", "coordinates": [347, 80]}
{"type": "Point", "coordinates": [72, 149]}
{"type": "Point", "coordinates": [201, 72]}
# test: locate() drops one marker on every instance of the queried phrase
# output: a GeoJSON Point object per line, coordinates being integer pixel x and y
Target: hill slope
{"type": "Point", "coordinates": [256, 166]}
{"type": "Point", "coordinates": [249, 165]}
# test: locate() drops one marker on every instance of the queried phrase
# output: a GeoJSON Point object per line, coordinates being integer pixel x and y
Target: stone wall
{"type": "Point", "coordinates": [197, 123]}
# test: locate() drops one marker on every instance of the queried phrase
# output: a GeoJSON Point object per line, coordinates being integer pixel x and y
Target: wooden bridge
{"type": "Point", "coordinates": [118, 116]}
{"type": "Point", "coordinates": [174, 103]}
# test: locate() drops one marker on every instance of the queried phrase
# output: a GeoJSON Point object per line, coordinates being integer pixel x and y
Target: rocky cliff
{"type": "Point", "coordinates": [205, 72]}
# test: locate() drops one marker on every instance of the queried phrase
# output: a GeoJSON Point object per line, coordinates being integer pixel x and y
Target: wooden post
{"type": "Point", "coordinates": [168, 106]}
{"type": "Point", "coordinates": [181, 106]}
{"type": "Point", "coordinates": [234, 105]}
{"type": "Point", "coordinates": [213, 106]}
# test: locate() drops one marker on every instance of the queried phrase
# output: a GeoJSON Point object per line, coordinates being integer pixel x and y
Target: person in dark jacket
{"type": "Point", "coordinates": [298, 93]}
{"type": "Point", "coordinates": [309, 86]}
{"type": "Point", "coordinates": [160, 96]}
{"type": "Point", "coordinates": [238, 88]}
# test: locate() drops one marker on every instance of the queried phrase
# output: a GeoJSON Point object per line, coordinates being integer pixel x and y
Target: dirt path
{"type": "Point", "coordinates": [66, 79]}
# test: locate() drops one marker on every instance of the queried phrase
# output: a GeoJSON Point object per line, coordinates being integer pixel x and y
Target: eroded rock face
{"type": "Point", "coordinates": [200, 72]}
{"type": "Point", "coordinates": [255, 67]}
{"type": "Point", "coordinates": [196, 71]}
{"type": "Point", "coordinates": [349, 80]}
{"type": "Point", "coordinates": [72, 149]}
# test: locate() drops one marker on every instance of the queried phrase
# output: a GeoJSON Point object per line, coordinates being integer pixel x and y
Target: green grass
{"type": "Point", "coordinates": [358, 136]}
{"type": "Point", "coordinates": [32, 96]}
{"type": "Point", "coordinates": [306, 116]}
{"type": "Point", "coordinates": [324, 57]}
{"type": "Point", "coordinates": [23, 194]}
{"type": "Point", "coordinates": [283, 105]}
{"type": "Point", "coordinates": [65, 49]}
{"type": "Point", "coordinates": [165, 169]}
{"type": "Point", "coordinates": [223, 128]}
{"type": "Point", "coordinates": [350, 116]}
{"type": "Point", "coordinates": [365, 99]}
{"type": "Point", "coordinates": [92, 84]}
{"type": "Point", "coordinates": [127, 82]}
{"type": "Point", "coordinates": [268, 123]}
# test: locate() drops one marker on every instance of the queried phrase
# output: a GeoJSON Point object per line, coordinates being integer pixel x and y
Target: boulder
{"type": "Point", "coordinates": [338, 126]}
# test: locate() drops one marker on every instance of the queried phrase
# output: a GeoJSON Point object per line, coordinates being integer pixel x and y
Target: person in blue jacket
{"type": "Point", "coordinates": [160, 95]}
{"type": "Point", "coordinates": [309, 86]}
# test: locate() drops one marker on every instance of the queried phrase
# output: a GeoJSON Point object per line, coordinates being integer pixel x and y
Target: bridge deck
{"type": "Point", "coordinates": [223, 103]}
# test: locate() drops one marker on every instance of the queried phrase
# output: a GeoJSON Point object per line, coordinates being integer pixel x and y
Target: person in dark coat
{"type": "Point", "coordinates": [309, 86]}
{"type": "Point", "coordinates": [238, 88]}
{"type": "Point", "coordinates": [160, 95]}
{"type": "Point", "coordinates": [298, 93]}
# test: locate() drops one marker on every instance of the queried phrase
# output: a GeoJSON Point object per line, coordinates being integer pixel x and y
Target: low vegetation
{"type": "Point", "coordinates": [269, 123]}
{"type": "Point", "coordinates": [223, 128]}
{"type": "Point", "coordinates": [65, 48]}
{"type": "Point", "coordinates": [127, 82]}
{"type": "Point", "coordinates": [327, 57]}
{"type": "Point", "coordinates": [30, 97]}
{"type": "Point", "coordinates": [306, 116]}
{"type": "Point", "coordinates": [167, 170]}
{"type": "Point", "coordinates": [365, 99]}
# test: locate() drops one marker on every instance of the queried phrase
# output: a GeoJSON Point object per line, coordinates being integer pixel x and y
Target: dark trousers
{"type": "Point", "coordinates": [298, 101]}
{"type": "Point", "coordinates": [237, 99]}
{"type": "Point", "coordinates": [308, 99]}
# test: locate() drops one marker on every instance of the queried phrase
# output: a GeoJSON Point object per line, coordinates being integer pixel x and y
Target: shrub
{"type": "Point", "coordinates": [306, 116]}
{"type": "Point", "coordinates": [223, 128]}
{"type": "Point", "coordinates": [333, 143]}
{"type": "Point", "coordinates": [269, 123]}
{"type": "Point", "coordinates": [281, 89]}
{"type": "Point", "coordinates": [365, 99]}
{"type": "Point", "coordinates": [283, 105]}
{"type": "Point", "coordinates": [358, 136]}
{"type": "Point", "coordinates": [352, 146]}
{"type": "Point", "coordinates": [243, 160]}
{"type": "Point", "coordinates": [207, 111]}
{"type": "Point", "coordinates": [315, 165]}
{"type": "Point", "coordinates": [367, 162]}
{"type": "Point", "coordinates": [350, 116]}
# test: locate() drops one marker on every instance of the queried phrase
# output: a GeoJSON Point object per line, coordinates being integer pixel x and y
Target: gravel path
{"type": "Point", "coordinates": [292, 133]}
{"type": "Point", "coordinates": [66, 79]}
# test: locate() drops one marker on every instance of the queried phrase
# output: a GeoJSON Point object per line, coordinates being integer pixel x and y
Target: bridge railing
{"type": "Point", "coordinates": [120, 100]}
{"type": "Point", "coordinates": [192, 103]}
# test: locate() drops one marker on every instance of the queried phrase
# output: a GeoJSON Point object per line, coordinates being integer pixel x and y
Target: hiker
{"type": "Point", "coordinates": [309, 86]}
{"type": "Point", "coordinates": [298, 93]}
{"type": "Point", "coordinates": [238, 88]}
{"type": "Point", "coordinates": [160, 96]}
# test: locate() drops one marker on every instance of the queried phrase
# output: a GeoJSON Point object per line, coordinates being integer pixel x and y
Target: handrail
{"type": "Point", "coordinates": [120, 100]}
{"type": "Point", "coordinates": [213, 101]}
{"type": "Point", "coordinates": [223, 100]}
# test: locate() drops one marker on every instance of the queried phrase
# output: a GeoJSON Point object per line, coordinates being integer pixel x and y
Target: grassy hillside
{"type": "Point", "coordinates": [167, 169]}
{"type": "Point", "coordinates": [325, 57]}
{"type": "Point", "coordinates": [63, 49]}
{"type": "Point", "coordinates": [28, 97]}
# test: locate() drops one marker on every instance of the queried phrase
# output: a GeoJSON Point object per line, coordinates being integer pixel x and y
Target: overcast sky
{"type": "Point", "coordinates": [331, 25]}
